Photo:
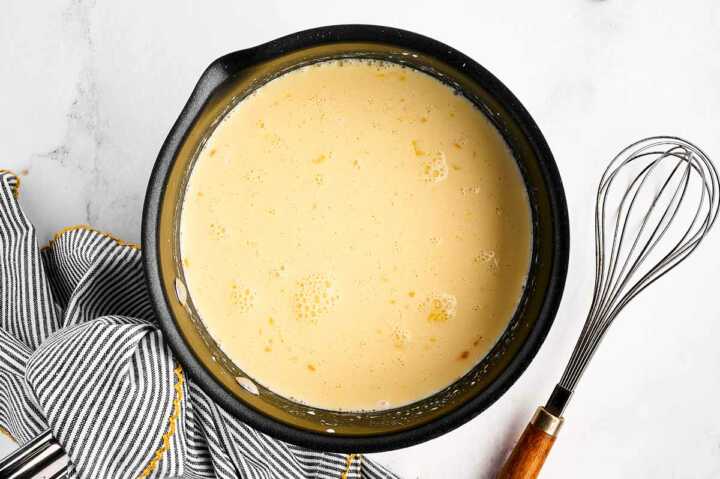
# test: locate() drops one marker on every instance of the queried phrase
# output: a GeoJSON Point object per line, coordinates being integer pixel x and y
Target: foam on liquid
{"type": "Point", "coordinates": [355, 235]}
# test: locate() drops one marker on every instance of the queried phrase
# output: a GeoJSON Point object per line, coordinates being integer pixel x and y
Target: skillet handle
{"type": "Point", "coordinates": [529, 454]}
{"type": "Point", "coordinates": [41, 458]}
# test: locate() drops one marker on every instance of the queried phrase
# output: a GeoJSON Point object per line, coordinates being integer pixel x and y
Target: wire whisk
{"type": "Point", "coordinates": [655, 204]}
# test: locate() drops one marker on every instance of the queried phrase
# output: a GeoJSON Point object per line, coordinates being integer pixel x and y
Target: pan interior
{"type": "Point", "coordinates": [353, 424]}
{"type": "Point", "coordinates": [355, 235]}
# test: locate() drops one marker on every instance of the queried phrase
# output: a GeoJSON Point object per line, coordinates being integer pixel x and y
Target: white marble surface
{"type": "Point", "coordinates": [89, 90]}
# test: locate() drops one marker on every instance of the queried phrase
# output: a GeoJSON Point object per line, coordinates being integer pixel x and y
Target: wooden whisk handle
{"type": "Point", "coordinates": [529, 454]}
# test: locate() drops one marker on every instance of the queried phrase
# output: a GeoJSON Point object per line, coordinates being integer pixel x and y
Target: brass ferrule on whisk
{"type": "Point", "coordinates": [546, 421]}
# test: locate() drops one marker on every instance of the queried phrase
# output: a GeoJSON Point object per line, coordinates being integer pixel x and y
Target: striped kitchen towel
{"type": "Point", "coordinates": [80, 354]}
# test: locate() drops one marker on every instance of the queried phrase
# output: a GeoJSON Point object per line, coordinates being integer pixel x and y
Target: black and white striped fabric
{"type": "Point", "coordinates": [80, 354]}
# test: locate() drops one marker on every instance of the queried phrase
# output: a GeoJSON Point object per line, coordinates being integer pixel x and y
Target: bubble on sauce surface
{"type": "Point", "coordinates": [217, 231]}
{"type": "Point", "coordinates": [242, 297]}
{"type": "Point", "coordinates": [440, 307]}
{"type": "Point", "coordinates": [254, 176]}
{"type": "Point", "coordinates": [315, 296]}
{"type": "Point", "coordinates": [400, 337]}
{"type": "Point", "coordinates": [279, 272]}
{"type": "Point", "coordinates": [435, 168]}
{"type": "Point", "coordinates": [489, 259]}
{"type": "Point", "coordinates": [466, 190]}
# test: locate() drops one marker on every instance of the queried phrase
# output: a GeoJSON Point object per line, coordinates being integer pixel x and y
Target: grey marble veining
{"type": "Point", "coordinates": [88, 91]}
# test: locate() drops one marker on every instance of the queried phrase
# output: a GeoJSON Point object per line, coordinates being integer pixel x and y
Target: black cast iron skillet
{"type": "Point", "coordinates": [225, 82]}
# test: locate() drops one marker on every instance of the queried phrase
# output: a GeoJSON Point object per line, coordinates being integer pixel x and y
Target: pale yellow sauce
{"type": "Point", "coordinates": [355, 235]}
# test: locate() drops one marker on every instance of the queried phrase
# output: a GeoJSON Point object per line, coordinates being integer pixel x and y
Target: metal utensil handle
{"type": "Point", "coordinates": [41, 458]}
